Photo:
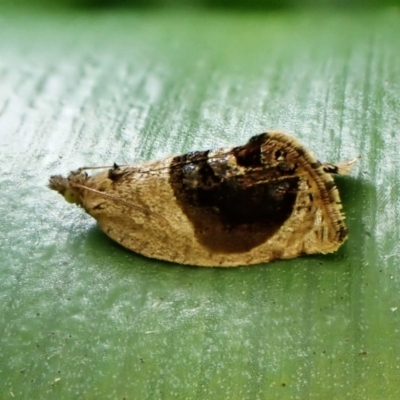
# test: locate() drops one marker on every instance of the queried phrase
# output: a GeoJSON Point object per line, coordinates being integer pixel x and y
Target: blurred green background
{"type": "Point", "coordinates": [92, 83]}
{"type": "Point", "coordinates": [259, 5]}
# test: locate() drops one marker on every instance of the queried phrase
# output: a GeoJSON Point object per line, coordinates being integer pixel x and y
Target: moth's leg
{"type": "Point", "coordinates": [342, 168]}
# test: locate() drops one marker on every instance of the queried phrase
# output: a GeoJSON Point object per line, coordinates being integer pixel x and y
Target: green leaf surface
{"type": "Point", "coordinates": [83, 318]}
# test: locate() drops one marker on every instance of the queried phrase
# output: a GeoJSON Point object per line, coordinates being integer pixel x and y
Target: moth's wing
{"type": "Point", "coordinates": [131, 205]}
{"type": "Point", "coordinates": [318, 195]}
{"type": "Point", "coordinates": [254, 203]}
{"type": "Point", "coordinates": [253, 195]}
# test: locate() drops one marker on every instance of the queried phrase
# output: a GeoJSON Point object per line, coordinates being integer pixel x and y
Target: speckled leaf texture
{"type": "Point", "coordinates": [83, 318]}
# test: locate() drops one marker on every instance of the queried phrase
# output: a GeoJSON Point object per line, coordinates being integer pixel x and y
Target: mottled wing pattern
{"type": "Point", "coordinates": [241, 199]}
{"type": "Point", "coordinates": [265, 200]}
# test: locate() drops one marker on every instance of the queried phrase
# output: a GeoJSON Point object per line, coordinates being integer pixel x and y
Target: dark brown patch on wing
{"type": "Point", "coordinates": [237, 202]}
{"type": "Point", "coordinates": [249, 155]}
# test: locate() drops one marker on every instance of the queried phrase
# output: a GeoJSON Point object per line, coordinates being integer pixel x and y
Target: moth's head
{"type": "Point", "coordinates": [69, 187]}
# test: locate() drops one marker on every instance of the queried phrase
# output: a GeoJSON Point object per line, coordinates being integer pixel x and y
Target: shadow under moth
{"type": "Point", "coordinates": [268, 199]}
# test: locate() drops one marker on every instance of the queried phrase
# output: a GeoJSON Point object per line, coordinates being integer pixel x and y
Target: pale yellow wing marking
{"type": "Point", "coordinates": [119, 200]}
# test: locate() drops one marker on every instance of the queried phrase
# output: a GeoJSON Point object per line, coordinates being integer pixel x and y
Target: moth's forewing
{"type": "Point", "coordinates": [249, 204]}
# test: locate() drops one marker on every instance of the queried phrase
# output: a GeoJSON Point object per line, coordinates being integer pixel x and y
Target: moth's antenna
{"type": "Point", "coordinates": [101, 167]}
{"type": "Point", "coordinates": [118, 200]}
{"type": "Point", "coordinates": [216, 157]}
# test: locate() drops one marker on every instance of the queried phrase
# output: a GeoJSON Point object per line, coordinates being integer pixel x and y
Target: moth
{"type": "Point", "coordinates": [267, 199]}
